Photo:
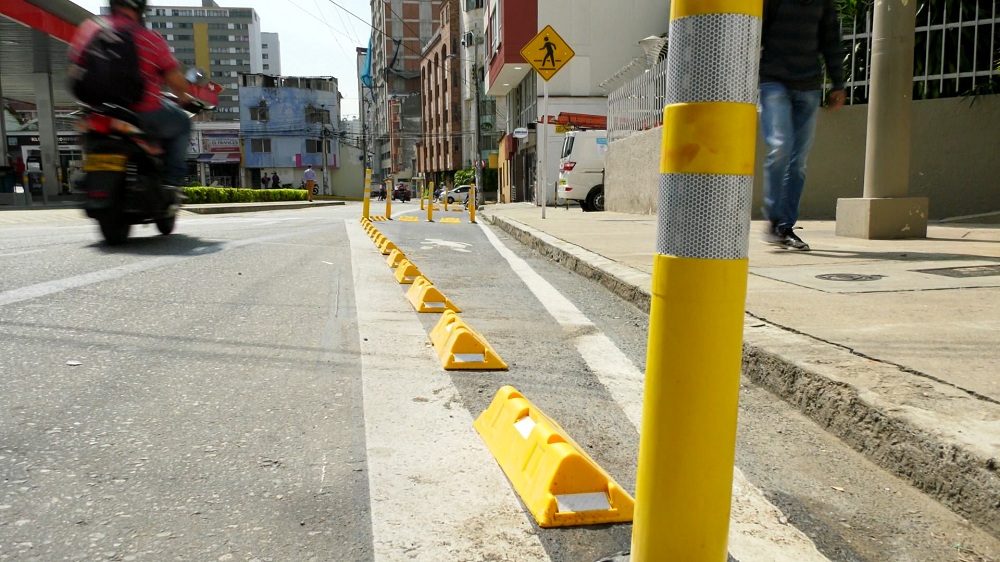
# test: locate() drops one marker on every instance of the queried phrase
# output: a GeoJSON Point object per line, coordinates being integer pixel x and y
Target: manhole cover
{"type": "Point", "coordinates": [848, 277]}
{"type": "Point", "coordinates": [967, 271]}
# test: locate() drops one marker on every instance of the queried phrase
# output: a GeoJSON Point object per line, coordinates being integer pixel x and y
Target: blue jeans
{"type": "Point", "coordinates": [788, 118]}
{"type": "Point", "coordinates": [172, 127]}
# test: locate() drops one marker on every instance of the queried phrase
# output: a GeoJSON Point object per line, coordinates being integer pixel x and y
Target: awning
{"type": "Point", "coordinates": [219, 158]}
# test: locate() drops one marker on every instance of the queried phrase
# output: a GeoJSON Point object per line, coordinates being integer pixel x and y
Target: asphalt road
{"type": "Point", "coordinates": [256, 387]}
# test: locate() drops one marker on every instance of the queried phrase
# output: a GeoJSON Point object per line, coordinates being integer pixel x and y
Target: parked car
{"type": "Point", "coordinates": [581, 168]}
{"type": "Point", "coordinates": [400, 193]}
{"type": "Point", "coordinates": [459, 194]}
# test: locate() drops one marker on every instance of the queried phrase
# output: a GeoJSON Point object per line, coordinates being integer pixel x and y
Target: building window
{"type": "Point", "coordinates": [473, 4]}
{"type": "Point", "coordinates": [314, 146]}
{"type": "Point", "coordinates": [260, 145]}
{"type": "Point", "coordinates": [267, 67]}
{"type": "Point", "coordinates": [260, 113]}
{"type": "Point", "coordinates": [264, 46]}
{"type": "Point", "coordinates": [264, 56]}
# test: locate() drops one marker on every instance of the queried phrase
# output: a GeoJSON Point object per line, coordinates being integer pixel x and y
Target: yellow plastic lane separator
{"type": "Point", "coordinates": [690, 401]}
{"type": "Point", "coordinates": [388, 200]}
{"type": "Point", "coordinates": [430, 202]}
{"type": "Point", "coordinates": [366, 206]}
{"type": "Point", "coordinates": [461, 349]}
{"type": "Point", "coordinates": [386, 247]}
{"type": "Point", "coordinates": [406, 272]}
{"type": "Point", "coordinates": [394, 258]}
{"type": "Point", "coordinates": [378, 239]}
{"type": "Point", "coordinates": [425, 297]}
{"type": "Point", "coordinates": [556, 479]}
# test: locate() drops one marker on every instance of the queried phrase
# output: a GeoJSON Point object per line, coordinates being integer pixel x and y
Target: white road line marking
{"type": "Point", "coordinates": [753, 518]}
{"type": "Point", "coordinates": [59, 285]}
{"type": "Point", "coordinates": [436, 491]}
{"type": "Point", "coordinates": [20, 253]}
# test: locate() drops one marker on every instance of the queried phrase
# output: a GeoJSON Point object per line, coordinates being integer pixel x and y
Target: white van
{"type": "Point", "coordinates": [581, 168]}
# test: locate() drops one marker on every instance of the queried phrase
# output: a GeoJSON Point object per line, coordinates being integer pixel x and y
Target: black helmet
{"type": "Point", "coordinates": [137, 5]}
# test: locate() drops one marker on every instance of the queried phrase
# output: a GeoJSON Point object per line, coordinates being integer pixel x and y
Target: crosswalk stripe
{"type": "Point", "coordinates": [436, 492]}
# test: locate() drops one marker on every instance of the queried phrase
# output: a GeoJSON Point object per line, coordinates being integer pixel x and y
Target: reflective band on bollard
{"type": "Point", "coordinates": [688, 437]}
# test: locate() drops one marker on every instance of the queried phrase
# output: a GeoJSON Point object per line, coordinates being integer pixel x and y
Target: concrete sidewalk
{"type": "Point", "coordinates": [891, 345]}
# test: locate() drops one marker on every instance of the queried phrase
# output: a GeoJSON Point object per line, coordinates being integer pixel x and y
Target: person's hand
{"type": "Point", "coordinates": [835, 100]}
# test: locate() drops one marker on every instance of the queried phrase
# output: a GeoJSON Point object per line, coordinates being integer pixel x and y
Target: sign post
{"type": "Point", "coordinates": [547, 53]}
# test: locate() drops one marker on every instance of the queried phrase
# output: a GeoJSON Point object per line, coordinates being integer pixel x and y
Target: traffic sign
{"type": "Point", "coordinates": [547, 53]}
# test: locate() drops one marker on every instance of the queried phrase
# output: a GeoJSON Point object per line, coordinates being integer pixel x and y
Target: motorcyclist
{"type": "Point", "coordinates": [160, 119]}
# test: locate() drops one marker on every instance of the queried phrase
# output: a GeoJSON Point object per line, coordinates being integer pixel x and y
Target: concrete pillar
{"type": "Point", "coordinates": [47, 139]}
{"type": "Point", "coordinates": [885, 211]}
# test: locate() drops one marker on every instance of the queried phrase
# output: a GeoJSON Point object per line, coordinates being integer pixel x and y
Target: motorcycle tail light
{"type": "Point", "coordinates": [98, 194]}
{"type": "Point", "coordinates": [100, 124]}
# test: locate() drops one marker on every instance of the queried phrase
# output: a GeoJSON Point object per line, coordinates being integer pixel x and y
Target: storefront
{"type": "Point", "coordinates": [25, 149]}
{"type": "Point", "coordinates": [218, 157]}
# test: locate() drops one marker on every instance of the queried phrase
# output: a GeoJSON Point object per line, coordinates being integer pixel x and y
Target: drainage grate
{"type": "Point", "coordinates": [967, 271]}
{"type": "Point", "coordinates": [848, 277]}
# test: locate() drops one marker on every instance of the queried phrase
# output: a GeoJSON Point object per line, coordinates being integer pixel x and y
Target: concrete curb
{"type": "Point", "coordinates": [880, 409]}
{"type": "Point", "coordinates": [214, 209]}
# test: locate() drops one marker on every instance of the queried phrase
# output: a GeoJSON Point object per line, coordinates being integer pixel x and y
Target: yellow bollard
{"type": "Point", "coordinates": [366, 206]}
{"type": "Point", "coordinates": [444, 195]}
{"type": "Point", "coordinates": [471, 202]}
{"type": "Point", "coordinates": [430, 201]}
{"type": "Point", "coordinates": [388, 200]}
{"type": "Point", "coordinates": [694, 351]}
{"type": "Point", "coordinates": [422, 190]}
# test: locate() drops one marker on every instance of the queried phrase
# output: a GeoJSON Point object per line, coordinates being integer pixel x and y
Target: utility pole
{"type": "Point", "coordinates": [477, 165]}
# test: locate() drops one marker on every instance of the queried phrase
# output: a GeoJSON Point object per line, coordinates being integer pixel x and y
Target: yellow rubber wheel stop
{"type": "Point", "coordinates": [425, 297]}
{"type": "Point", "coordinates": [394, 258]}
{"type": "Point", "coordinates": [406, 272]}
{"type": "Point", "coordinates": [556, 479]}
{"type": "Point", "coordinates": [386, 247]}
{"type": "Point", "coordinates": [460, 348]}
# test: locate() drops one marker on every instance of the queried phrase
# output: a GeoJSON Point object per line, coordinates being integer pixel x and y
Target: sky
{"type": "Point", "coordinates": [318, 38]}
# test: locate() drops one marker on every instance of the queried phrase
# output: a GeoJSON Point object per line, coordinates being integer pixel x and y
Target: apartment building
{"type": "Point", "coordinates": [439, 152]}
{"type": "Point", "coordinates": [586, 26]}
{"type": "Point", "coordinates": [285, 124]}
{"type": "Point", "coordinates": [224, 42]}
{"type": "Point", "coordinates": [401, 29]}
{"type": "Point", "coordinates": [270, 48]}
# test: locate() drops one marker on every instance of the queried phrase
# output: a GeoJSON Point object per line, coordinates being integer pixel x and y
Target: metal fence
{"type": "Point", "coordinates": [638, 104]}
{"type": "Point", "coordinates": [956, 49]}
{"type": "Point", "coordinates": [956, 53]}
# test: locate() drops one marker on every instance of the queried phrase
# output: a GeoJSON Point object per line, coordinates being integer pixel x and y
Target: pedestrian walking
{"type": "Point", "coordinates": [275, 181]}
{"type": "Point", "coordinates": [265, 181]}
{"type": "Point", "coordinates": [310, 178]}
{"type": "Point", "coordinates": [797, 35]}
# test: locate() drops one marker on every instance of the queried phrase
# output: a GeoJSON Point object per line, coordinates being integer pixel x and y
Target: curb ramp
{"type": "Point", "coordinates": [395, 257]}
{"type": "Point", "coordinates": [556, 479]}
{"type": "Point", "coordinates": [425, 297]}
{"type": "Point", "coordinates": [461, 349]}
{"type": "Point", "coordinates": [406, 272]}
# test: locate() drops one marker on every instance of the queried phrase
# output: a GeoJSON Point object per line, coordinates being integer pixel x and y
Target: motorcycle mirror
{"type": "Point", "coordinates": [195, 75]}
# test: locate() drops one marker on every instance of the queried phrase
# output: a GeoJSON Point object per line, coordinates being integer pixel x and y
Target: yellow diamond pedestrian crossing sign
{"type": "Point", "coordinates": [547, 53]}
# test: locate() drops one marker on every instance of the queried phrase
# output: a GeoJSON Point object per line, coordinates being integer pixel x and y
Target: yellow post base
{"type": "Point", "coordinates": [686, 451]}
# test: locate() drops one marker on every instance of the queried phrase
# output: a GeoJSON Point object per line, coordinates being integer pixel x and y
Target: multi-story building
{"type": "Point", "coordinates": [439, 152]}
{"type": "Point", "coordinates": [585, 26]}
{"type": "Point", "coordinates": [285, 122]}
{"type": "Point", "coordinates": [223, 42]}
{"type": "Point", "coordinates": [270, 49]}
{"type": "Point", "coordinates": [402, 28]}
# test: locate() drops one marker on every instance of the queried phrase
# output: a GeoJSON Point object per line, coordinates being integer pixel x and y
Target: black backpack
{"type": "Point", "coordinates": [108, 69]}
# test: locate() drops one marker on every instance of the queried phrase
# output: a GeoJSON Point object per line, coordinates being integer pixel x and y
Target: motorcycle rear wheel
{"type": "Point", "coordinates": [115, 230]}
{"type": "Point", "coordinates": [166, 224]}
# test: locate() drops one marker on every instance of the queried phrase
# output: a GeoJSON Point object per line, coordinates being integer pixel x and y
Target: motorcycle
{"type": "Point", "coordinates": [123, 167]}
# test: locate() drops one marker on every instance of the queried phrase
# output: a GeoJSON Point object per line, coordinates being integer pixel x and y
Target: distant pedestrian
{"type": "Point", "coordinates": [275, 181]}
{"type": "Point", "coordinates": [310, 178]}
{"type": "Point", "coordinates": [265, 181]}
{"type": "Point", "coordinates": [797, 34]}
